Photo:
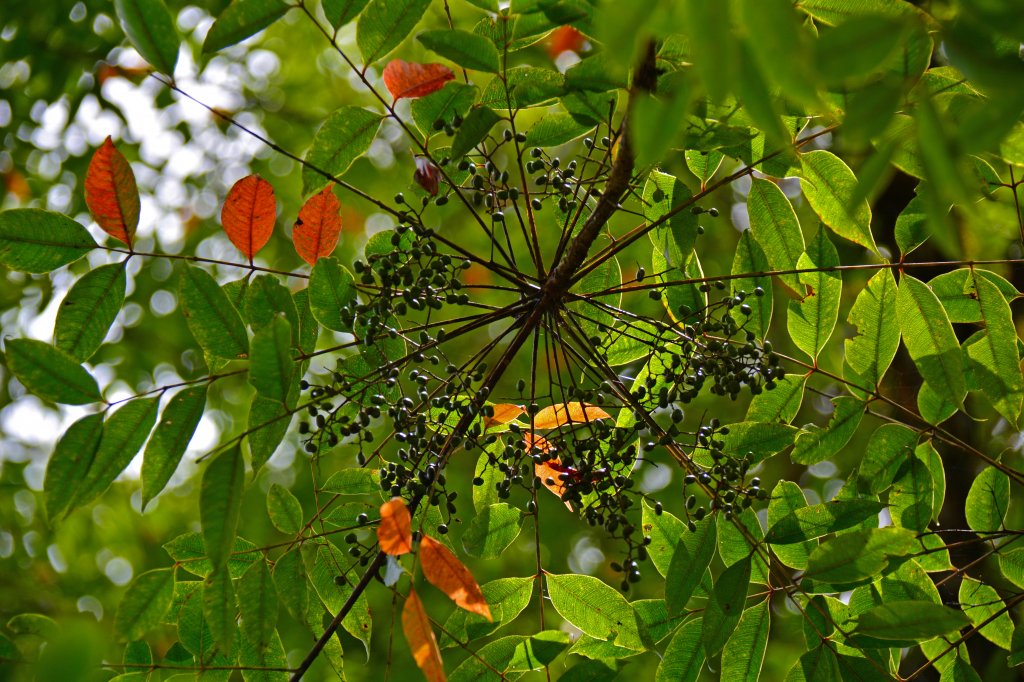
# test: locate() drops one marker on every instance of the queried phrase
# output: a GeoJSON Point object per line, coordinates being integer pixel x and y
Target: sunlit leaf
{"type": "Point", "coordinates": [743, 654]}
{"type": "Point", "coordinates": [776, 228]}
{"type": "Point", "coordinates": [555, 416]}
{"type": "Point", "coordinates": [814, 521]}
{"type": "Point", "coordinates": [816, 444]}
{"type": "Point", "coordinates": [829, 184]}
{"type": "Point", "coordinates": [871, 351]}
{"type": "Point", "coordinates": [684, 656]}
{"type": "Point", "coordinates": [331, 288]}
{"type": "Point", "coordinates": [449, 575]}
{"type": "Point", "coordinates": [492, 530]}
{"type": "Point", "coordinates": [930, 340]}
{"type": "Point", "coordinates": [419, 634]}
{"type": "Point", "coordinates": [593, 607]}
{"type": "Point", "coordinates": [812, 320]}
{"type": "Point", "coordinates": [724, 608]}
{"type": "Point", "coordinates": [988, 500]}
{"type": "Point", "coordinates": [394, 533]}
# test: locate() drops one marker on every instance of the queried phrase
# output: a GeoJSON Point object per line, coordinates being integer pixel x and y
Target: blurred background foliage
{"type": "Point", "coordinates": [68, 80]}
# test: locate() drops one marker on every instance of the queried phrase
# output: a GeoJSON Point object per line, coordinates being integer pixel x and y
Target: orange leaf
{"type": "Point", "coordinates": [420, 636]}
{"type": "Point", "coordinates": [567, 413]}
{"type": "Point", "coordinates": [395, 529]}
{"type": "Point", "coordinates": [409, 79]}
{"type": "Point", "coordinates": [111, 193]}
{"type": "Point", "coordinates": [503, 414]}
{"type": "Point", "coordinates": [564, 39]}
{"type": "Point", "coordinates": [249, 213]}
{"type": "Point", "coordinates": [318, 226]}
{"type": "Point", "coordinates": [549, 469]}
{"type": "Point", "coordinates": [447, 574]}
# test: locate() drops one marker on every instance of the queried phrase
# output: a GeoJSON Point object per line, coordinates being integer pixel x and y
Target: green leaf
{"type": "Point", "coordinates": [257, 601]}
{"type": "Point", "coordinates": [909, 620]}
{"type": "Point", "coordinates": [70, 460]}
{"type": "Point", "coordinates": [981, 603]}
{"type": "Point", "coordinates": [167, 445]}
{"type": "Point", "coordinates": [930, 340]}
{"type": "Point", "coordinates": [815, 444]}
{"type": "Point", "coordinates": [996, 363]}
{"type": "Point", "coordinates": [50, 373]}
{"type": "Point", "coordinates": [816, 520]}
{"type": "Point", "coordinates": [309, 330]}
{"type": "Point", "coordinates": [466, 49]}
{"type": "Point", "coordinates": [220, 604]}
{"type": "Point", "coordinates": [328, 564]}
{"type": "Point", "coordinates": [780, 404]}
{"type": "Point", "coordinates": [829, 185]}
{"type": "Point", "coordinates": [735, 545]}
{"type": "Point", "coordinates": [662, 194]}
{"type": "Point", "coordinates": [601, 670]}
{"type": "Point", "coordinates": [556, 129]}
{"type": "Point", "coordinates": [926, 453]}
{"type": "Point", "coordinates": [284, 509]}
{"type": "Point", "coordinates": [331, 288]}
{"type": "Point", "coordinates": [665, 531]}
{"type": "Point", "coordinates": [858, 555]}
{"type": "Point", "coordinates": [241, 19]}
{"type": "Point", "coordinates": [523, 86]}
{"type": "Point", "coordinates": [268, 423]}
{"type": "Point", "coordinates": [655, 122]}
{"type": "Point", "coordinates": [632, 342]}
{"type": "Point", "coordinates": [812, 320]}
{"type": "Point", "coordinates": [473, 130]}
{"type": "Point", "coordinates": [189, 550]}
{"type": "Point", "coordinates": [776, 228]}
{"type": "Point", "coordinates": [353, 482]}
{"type": "Point", "coordinates": [150, 28]}
{"type": "Point", "coordinates": [34, 240]}
{"type": "Point", "coordinates": [492, 530]}
{"type": "Point", "coordinates": [703, 164]}
{"type": "Point", "coordinates": [690, 561]}
{"type": "Point", "coordinates": [511, 655]}
{"type": "Point", "coordinates": [987, 501]}
{"type": "Point", "coordinates": [341, 12]}
{"type": "Point", "coordinates": [817, 665]}
{"type": "Point", "coordinates": [290, 581]}
{"type": "Point", "coordinates": [912, 226]}
{"type": "Point", "coordinates": [265, 299]}
{"type": "Point", "coordinates": [858, 48]}
{"type": "Point", "coordinates": [342, 138]}
{"type": "Point", "coordinates": [123, 435]}
{"type": "Point", "coordinates": [144, 604]}
{"type": "Point", "coordinates": [780, 44]}
{"type": "Point", "coordinates": [599, 73]}
{"type": "Point", "coordinates": [220, 504]}
{"type": "Point", "coordinates": [1011, 563]}
{"type": "Point", "coordinates": [786, 499]}
{"type": "Point", "coordinates": [724, 608]}
{"type": "Point", "coordinates": [88, 310]}
{"type": "Point", "coordinates": [934, 407]}
{"type": "Point", "coordinates": [759, 103]}
{"type": "Point", "coordinates": [211, 317]}
{"type": "Point", "coordinates": [889, 447]}
{"type": "Point", "coordinates": [871, 351]}
{"type": "Point", "coordinates": [750, 258]}
{"type": "Point", "coordinates": [910, 499]}
{"type": "Point", "coordinates": [684, 656]}
{"type": "Point", "coordinates": [594, 608]}
{"type": "Point", "coordinates": [454, 99]}
{"type": "Point", "coordinates": [506, 597]}
{"type": "Point", "coordinates": [384, 24]}
{"type": "Point", "coordinates": [757, 440]}
{"type": "Point", "coordinates": [744, 652]}
{"type": "Point", "coordinates": [958, 292]}
{"type": "Point", "coordinates": [271, 366]}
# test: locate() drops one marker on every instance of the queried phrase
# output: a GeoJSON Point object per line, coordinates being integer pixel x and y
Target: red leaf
{"type": "Point", "coordinates": [446, 573]}
{"type": "Point", "coordinates": [318, 226]}
{"type": "Point", "coordinates": [249, 213]}
{"type": "Point", "coordinates": [395, 529]}
{"type": "Point", "coordinates": [409, 79]}
{"type": "Point", "coordinates": [417, 630]}
{"type": "Point", "coordinates": [427, 175]}
{"type": "Point", "coordinates": [111, 193]}
{"type": "Point", "coordinates": [564, 39]}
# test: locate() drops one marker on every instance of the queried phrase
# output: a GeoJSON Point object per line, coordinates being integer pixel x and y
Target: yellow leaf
{"type": "Point", "coordinates": [503, 414]}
